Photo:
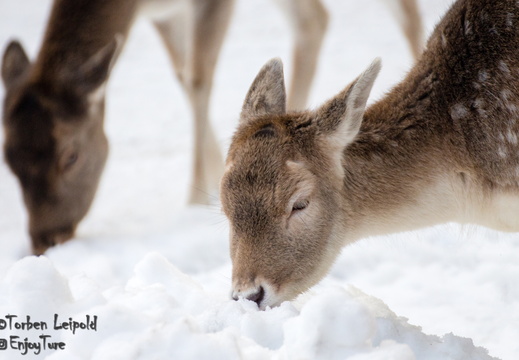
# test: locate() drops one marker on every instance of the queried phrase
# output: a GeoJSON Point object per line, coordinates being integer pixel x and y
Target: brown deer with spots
{"type": "Point", "coordinates": [442, 146]}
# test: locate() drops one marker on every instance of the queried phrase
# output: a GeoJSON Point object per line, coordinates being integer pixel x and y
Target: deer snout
{"type": "Point", "coordinates": [256, 294]}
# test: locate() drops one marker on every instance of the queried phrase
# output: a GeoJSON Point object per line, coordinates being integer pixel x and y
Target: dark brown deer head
{"type": "Point", "coordinates": [54, 138]}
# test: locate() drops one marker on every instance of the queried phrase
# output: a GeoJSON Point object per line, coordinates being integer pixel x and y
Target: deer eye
{"type": "Point", "coordinates": [69, 160]}
{"type": "Point", "coordinates": [300, 205]}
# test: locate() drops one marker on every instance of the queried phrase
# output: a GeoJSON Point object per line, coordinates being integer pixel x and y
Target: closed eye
{"type": "Point", "coordinates": [300, 205]}
{"type": "Point", "coordinates": [297, 212]}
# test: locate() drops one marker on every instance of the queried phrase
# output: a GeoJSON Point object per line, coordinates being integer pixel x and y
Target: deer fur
{"type": "Point", "coordinates": [442, 146]}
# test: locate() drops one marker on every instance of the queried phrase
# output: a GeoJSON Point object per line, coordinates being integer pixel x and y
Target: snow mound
{"type": "Point", "coordinates": [162, 313]}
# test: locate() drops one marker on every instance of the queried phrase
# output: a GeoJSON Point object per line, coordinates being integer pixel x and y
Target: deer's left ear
{"type": "Point", "coordinates": [14, 63]}
{"type": "Point", "coordinates": [339, 119]}
{"type": "Point", "coordinates": [267, 95]}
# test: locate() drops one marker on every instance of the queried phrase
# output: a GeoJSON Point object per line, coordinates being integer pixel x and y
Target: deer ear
{"type": "Point", "coordinates": [267, 95]}
{"type": "Point", "coordinates": [95, 71]}
{"type": "Point", "coordinates": [14, 63]}
{"type": "Point", "coordinates": [340, 118]}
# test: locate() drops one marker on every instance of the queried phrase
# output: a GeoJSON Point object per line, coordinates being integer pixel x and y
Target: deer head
{"type": "Point", "coordinates": [54, 138]}
{"type": "Point", "coordinates": [283, 187]}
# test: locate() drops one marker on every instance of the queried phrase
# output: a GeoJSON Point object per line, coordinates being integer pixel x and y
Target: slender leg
{"type": "Point", "coordinates": [411, 24]}
{"type": "Point", "coordinates": [194, 42]}
{"type": "Point", "coordinates": [309, 20]}
{"type": "Point", "coordinates": [173, 34]}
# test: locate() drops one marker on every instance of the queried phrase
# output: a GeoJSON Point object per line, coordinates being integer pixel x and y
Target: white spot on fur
{"type": "Point", "coordinates": [501, 152]}
{"type": "Point", "coordinates": [512, 137]}
{"type": "Point", "coordinates": [503, 67]}
{"type": "Point", "coordinates": [458, 111]}
{"type": "Point", "coordinates": [467, 26]}
{"type": "Point", "coordinates": [501, 137]}
{"type": "Point", "coordinates": [506, 95]}
{"type": "Point", "coordinates": [510, 20]}
{"type": "Point", "coordinates": [479, 104]}
{"type": "Point", "coordinates": [482, 76]}
{"type": "Point", "coordinates": [512, 108]}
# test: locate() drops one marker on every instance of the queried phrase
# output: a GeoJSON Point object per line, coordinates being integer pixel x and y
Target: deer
{"type": "Point", "coordinates": [441, 146]}
{"type": "Point", "coordinates": [53, 111]}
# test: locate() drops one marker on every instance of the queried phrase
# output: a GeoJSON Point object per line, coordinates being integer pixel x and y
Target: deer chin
{"type": "Point", "coordinates": [43, 240]}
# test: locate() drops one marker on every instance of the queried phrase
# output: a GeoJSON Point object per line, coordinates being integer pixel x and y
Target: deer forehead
{"type": "Point", "coordinates": [253, 169]}
{"type": "Point", "coordinates": [27, 122]}
{"type": "Point", "coordinates": [44, 101]}
{"type": "Point", "coordinates": [270, 128]}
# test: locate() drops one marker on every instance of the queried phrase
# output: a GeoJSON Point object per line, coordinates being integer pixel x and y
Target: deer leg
{"type": "Point", "coordinates": [308, 20]}
{"type": "Point", "coordinates": [172, 32]}
{"type": "Point", "coordinates": [194, 46]}
{"type": "Point", "coordinates": [411, 24]}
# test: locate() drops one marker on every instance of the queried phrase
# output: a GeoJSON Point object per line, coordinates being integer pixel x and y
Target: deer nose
{"type": "Point", "coordinates": [257, 295]}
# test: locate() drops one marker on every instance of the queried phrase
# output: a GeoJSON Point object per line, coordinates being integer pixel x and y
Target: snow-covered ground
{"type": "Point", "coordinates": [156, 273]}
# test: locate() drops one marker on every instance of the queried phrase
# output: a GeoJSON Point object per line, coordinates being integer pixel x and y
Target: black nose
{"type": "Point", "coordinates": [258, 296]}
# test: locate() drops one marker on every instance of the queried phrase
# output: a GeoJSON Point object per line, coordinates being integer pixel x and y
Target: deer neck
{"type": "Point", "coordinates": [77, 29]}
{"type": "Point", "coordinates": [401, 173]}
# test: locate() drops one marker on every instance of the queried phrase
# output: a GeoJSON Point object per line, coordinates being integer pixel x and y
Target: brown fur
{"type": "Point", "coordinates": [441, 146]}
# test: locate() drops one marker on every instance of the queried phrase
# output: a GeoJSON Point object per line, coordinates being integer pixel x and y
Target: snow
{"type": "Point", "coordinates": [156, 273]}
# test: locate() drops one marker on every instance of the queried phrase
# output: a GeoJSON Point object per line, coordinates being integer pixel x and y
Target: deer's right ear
{"type": "Point", "coordinates": [267, 95]}
{"type": "Point", "coordinates": [339, 119]}
{"type": "Point", "coordinates": [94, 71]}
{"type": "Point", "coordinates": [14, 63]}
